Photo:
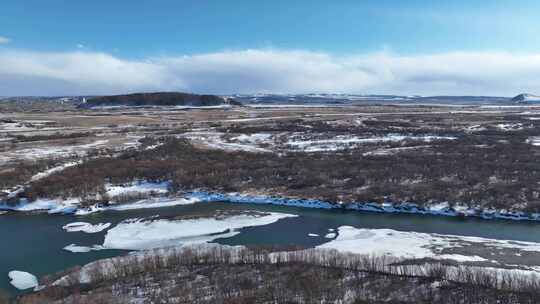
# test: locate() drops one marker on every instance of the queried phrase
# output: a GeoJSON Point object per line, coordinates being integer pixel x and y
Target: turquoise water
{"type": "Point", "coordinates": [34, 243]}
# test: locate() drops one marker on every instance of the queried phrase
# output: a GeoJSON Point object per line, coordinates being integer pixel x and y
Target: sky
{"type": "Point", "coordinates": [420, 47]}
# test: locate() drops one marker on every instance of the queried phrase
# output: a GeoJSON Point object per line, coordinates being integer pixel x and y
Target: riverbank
{"type": "Point", "coordinates": [72, 206]}
{"type": "Point", "coordinates": [440, 209]}
{"type": "Point", "coordinates": [224, 274]}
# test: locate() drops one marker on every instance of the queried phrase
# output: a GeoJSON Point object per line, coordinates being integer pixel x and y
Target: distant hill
{"type": "Point", "coordinates": [348, 99]}
{"type": "Point", "coordinates": [526, 98]}
{"type": "Point", "coordinates": [158, 99]}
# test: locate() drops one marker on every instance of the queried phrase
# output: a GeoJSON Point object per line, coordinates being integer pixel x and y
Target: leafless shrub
{"type": "Point", "coordinates": [500, 176]}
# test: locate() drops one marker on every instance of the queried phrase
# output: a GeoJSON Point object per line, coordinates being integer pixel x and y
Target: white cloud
{"type": "Point", "coordinates": [4, 40]}
{"type": "Point", "coordinates": [78, 72]}
{"type": "Point", "coordinates": [268, 70]}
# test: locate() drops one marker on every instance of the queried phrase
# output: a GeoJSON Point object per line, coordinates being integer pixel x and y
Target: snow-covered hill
{"type": "Point", "coordinates": [347, 99]}
{"type": "Point", "coordinates": [526, 98]}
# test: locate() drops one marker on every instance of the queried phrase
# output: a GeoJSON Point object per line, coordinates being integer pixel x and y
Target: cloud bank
{"type": "Point", "coordinates": [4, 40]}
{"type": "Point", "coordinates": [270, 70]}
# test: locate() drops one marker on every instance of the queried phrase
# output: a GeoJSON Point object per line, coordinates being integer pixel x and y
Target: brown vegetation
{"type": "Point", "coordinates": [55, 136]}
{"type": "Point", "coordinates": [22, 172]}
{"type": "Point", "coordinates": [498, 175]}
{"type": "Point", "coordinates": [232, 275]}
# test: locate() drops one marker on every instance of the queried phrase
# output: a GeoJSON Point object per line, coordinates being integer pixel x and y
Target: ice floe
{"type": "Point", "coordinates": [140, 234]}
{"type": "Point", "coordinates": [86, 227]}
{"type": "Point", "coordinates": [157, 202]}
{"type": "Point", "coordinates": [22, 280]}
{"type": "Point", "coordinates": [89, 210]}
{"type": "Point", "coordinates": [153, 203]}
{"type": "Point", "coordinates": [82, 249]}
{"type": "Point", "coordinates": [380, 242]}
{"type": "Point", "coordinates": [416, 245]}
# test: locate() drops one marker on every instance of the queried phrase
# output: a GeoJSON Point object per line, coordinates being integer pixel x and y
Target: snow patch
{"type": "Point", "coordinates": [510, 126]}
{"type": "Point", "coordinates": [215, 140]}
{"type": "Point", "coordinates": [392, 151]}
{"type": "Point", "coordinates": [52, 206]}
{"type": "Point", "coordinates": [255, 138]}
{"type": "Point", "coordinates": [535, 140]}
{"type": "Point", "coordinates": [474, 128]}
{"type": "Point", "coordinates": [137, 187]}
{"type": "Point", "coordinates": [342, 142]}
{"type": "Point", "coordinates": [56, 169]}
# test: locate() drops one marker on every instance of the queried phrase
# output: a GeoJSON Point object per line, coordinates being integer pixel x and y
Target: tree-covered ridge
{"type": "Point", "coordinates": [157, 99]}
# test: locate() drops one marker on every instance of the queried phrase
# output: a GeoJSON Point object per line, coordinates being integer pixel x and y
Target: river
{"type": "Point", "coordinates": [34, 243]}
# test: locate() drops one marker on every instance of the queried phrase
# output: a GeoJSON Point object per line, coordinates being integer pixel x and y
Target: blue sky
{"type": "Point", "coordinates": [142, 28]}
{"type": "Point", "coordinates": [341, 33]}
